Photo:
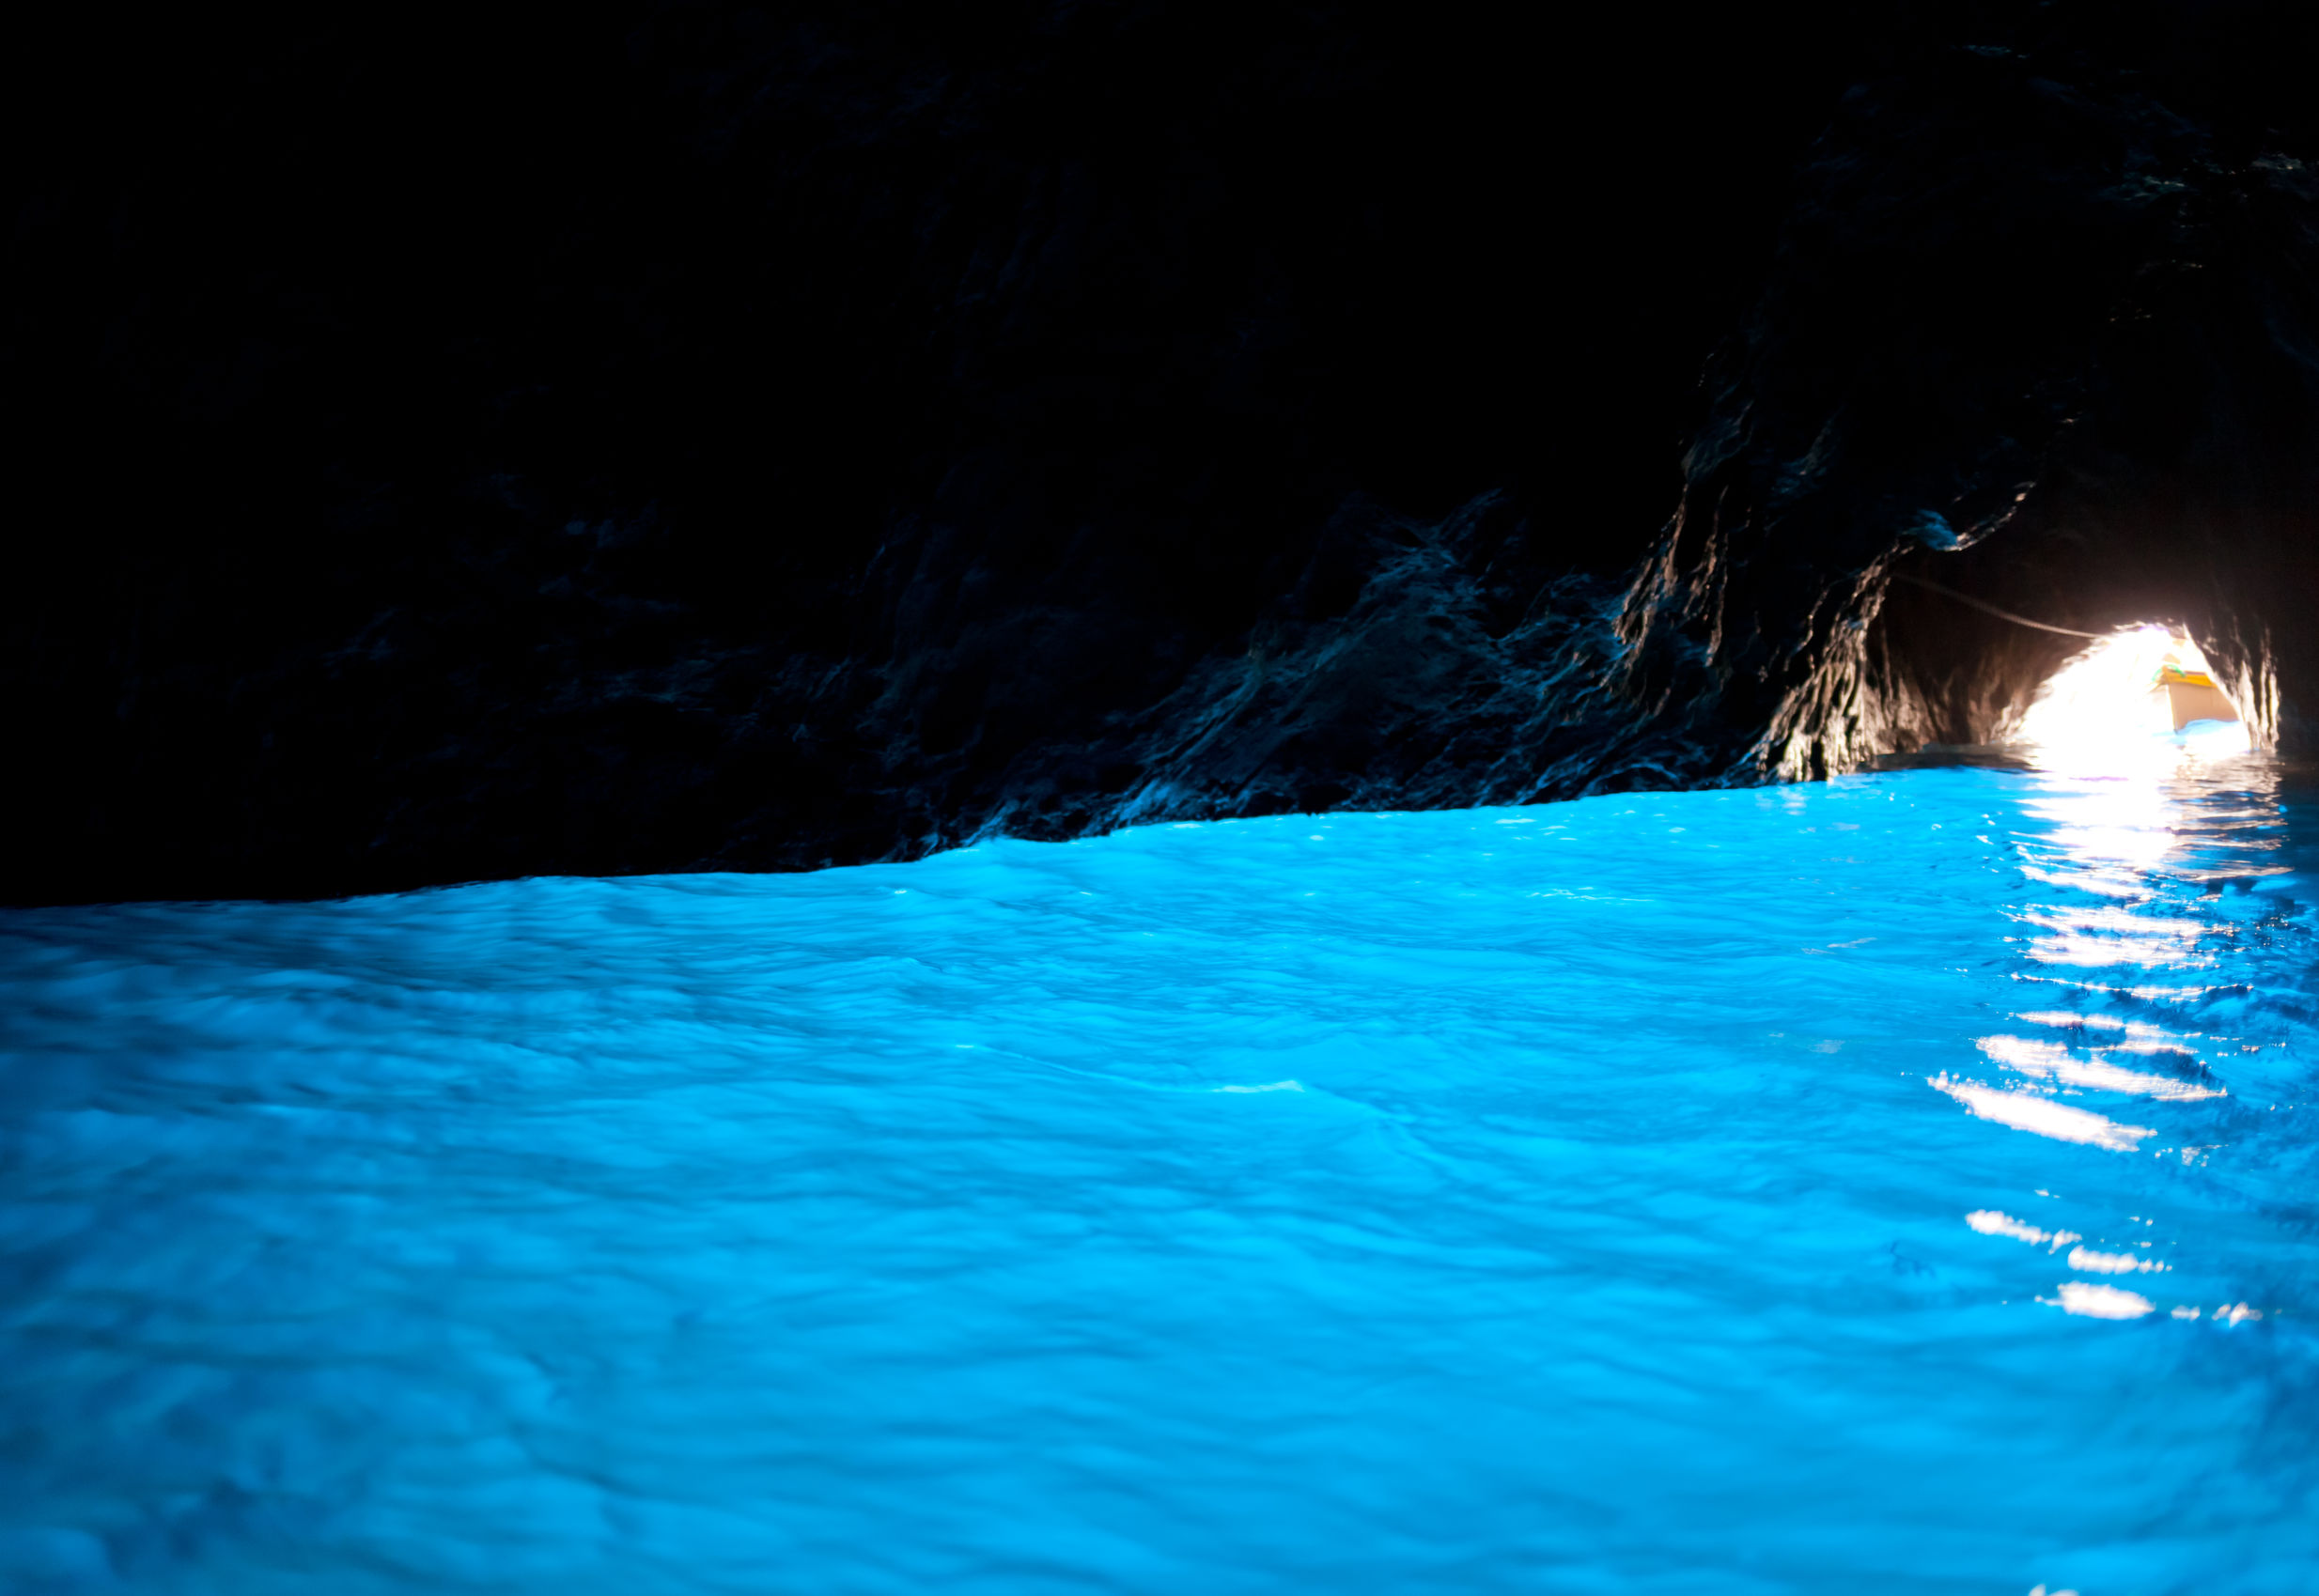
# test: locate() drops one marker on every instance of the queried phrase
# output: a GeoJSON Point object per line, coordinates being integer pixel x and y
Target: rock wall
{"type": "Point", "coordinates": [2039, 330]}
{"type": "Point", "coordinates": [705, 437]}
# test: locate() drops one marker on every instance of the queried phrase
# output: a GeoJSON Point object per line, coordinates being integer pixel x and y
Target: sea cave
{"type": "Point", "coordinates": [1083, 798]}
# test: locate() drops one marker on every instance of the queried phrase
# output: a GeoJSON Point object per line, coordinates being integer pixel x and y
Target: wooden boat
{"type": "Point", "coordinates": [2193, 696]}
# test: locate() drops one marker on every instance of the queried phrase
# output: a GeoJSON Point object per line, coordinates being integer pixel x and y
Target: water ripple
{"type": "Point", "coordinates": [1513, 1200]}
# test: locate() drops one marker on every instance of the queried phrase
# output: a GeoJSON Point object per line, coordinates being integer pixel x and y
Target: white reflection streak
{"type": "Point", "coordinates": [2050, 1060]}
{"type": "Point", "coordinates": [2042, 1116]}
{"type": "Point", "coordinates": [1989, 1222]}
{"type": "Point", "coordinates": [2114, 919]}
{"type": "Point", "coordinates": [2108, 884]}
{"type": "Point", "coordinates": [2136, 1037]}
{"type": "Point", "coordinates": [2102, 937]}
{"type": "Point", "coordinates": [2139, 1038]}
{"type": "Point", "coordinates": [2099, 1302]}
{"type": "Point", "coordinates": [2160, 1043]}
{"type": "Point", "coordinates": [2112, 1262]}
{"type": "Point", "coordinates": [2096, 953]}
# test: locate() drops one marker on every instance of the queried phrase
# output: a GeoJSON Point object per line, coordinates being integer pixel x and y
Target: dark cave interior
{"type": "Point", "coordinates": [699, 436]}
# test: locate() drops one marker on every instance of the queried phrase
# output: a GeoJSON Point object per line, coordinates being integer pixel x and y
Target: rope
{"type": "Point", "coordinates": [1991, 609]}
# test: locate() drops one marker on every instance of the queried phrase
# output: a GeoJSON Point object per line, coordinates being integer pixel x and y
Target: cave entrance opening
{"type": "Point", "coordinates": [2144, 692]}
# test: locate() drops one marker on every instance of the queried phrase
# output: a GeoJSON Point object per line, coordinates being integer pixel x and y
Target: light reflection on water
{"type": "Point", "coordinates": [1905, 1184]}
{"type": "Point", "coordinates": [2130, 819]}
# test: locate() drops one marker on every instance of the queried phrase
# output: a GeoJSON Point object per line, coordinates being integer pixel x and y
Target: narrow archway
{"type": "Point", "coordinates": [2141, 693]}
{"type": "Point", "coordinates": [2067, 643]}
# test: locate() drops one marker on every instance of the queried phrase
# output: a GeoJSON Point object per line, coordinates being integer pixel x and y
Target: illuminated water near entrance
{"type": "Point", "coordinates": [1904, 1184]}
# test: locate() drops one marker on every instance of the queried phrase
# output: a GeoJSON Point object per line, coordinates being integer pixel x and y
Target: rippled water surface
{"type": "Point", "coordinates": [1902, 1185]}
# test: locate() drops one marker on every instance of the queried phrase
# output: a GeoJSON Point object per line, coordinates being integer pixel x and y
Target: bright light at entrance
{"type": "Point", "coordinates": [2142, 696]}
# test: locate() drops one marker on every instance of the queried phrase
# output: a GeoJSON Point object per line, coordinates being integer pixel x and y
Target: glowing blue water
{"type": "Point", "coordinates": [1823, 1188]}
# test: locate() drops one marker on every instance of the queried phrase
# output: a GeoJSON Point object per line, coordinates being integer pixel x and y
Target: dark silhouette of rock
{"type": "Point", "coordinates": [712, 438]}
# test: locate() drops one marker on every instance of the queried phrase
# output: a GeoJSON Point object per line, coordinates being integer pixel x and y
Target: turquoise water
{"type": "Point", "coordinates": [1905, 1184]}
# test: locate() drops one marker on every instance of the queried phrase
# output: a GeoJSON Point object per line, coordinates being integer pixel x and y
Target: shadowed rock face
{"type": "Point", "coordinates": [713, 439]}
{"type": "Point", "coordinates": [2041, 329]}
